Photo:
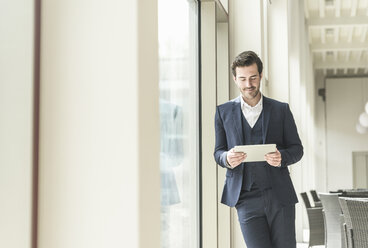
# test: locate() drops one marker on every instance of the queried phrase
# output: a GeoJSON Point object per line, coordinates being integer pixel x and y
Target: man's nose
{"type": "Point", "coordinates": [247, 83]}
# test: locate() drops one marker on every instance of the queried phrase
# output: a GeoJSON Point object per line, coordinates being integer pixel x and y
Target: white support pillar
{"type": "Point", "coordinates": [224, 217]}
{"type": "Point", "coordinates": [209, 167]}
{"type": "Point", "coordinates": [99, 125]}
{"type": "Point", "coordinates": [16, 108]}
{"type": "Point", "coordinates": [301, 99]}
{"type": "Point", "coordinates": [278, 50]}
{"type": "Point", "coordinates": [245, 29]}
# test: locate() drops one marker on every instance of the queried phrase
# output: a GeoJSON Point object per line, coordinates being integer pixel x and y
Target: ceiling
{"type": "Point", "coordinates": [338, 36]}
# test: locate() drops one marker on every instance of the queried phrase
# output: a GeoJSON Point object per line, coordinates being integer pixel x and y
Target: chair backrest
{"type": "Point", "coordinates": [314, 196]}
{"type": "Point", "coordinates": [332, 212]}
{"type": "Point", "coordinates": [344, 237]}
{"type": "Point", "coordinates": [345, 211]}
{"type": "Point", "coordinates": [306, 199]}
{"type": "Point", "coordinates": [330, 202]}
{"type": "Point", "coordinates": [348, 229]}
{"type": "Point", "coordinates": [355, 193]}
{"type": "Point", "coordinates": [358, 209]}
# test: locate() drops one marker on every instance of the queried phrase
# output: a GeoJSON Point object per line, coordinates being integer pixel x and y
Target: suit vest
{"type": "Point", "coordinates": [255, 173]}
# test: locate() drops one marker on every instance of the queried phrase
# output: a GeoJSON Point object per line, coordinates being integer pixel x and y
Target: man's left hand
{"type": "Point", "coordinates": [274, 158]}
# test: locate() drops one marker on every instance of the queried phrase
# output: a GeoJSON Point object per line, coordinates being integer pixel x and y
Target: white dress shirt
{"type": "Point", "coordinates": [250, 113]}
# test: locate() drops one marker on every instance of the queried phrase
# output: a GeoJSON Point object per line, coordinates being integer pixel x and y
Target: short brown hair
{"type": "Point", "coordinates": [246, 58]}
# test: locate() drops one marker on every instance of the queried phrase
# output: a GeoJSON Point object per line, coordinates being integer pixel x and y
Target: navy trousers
{"type": "Point", "coordinates": [265, 223]}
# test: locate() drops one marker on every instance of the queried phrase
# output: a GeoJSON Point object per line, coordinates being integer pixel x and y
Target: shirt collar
{"type": "Point", "coordinates": [245, 105]}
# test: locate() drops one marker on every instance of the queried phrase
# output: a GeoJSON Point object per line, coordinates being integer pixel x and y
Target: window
{"type": "Point", "coordinates": [178, 54]}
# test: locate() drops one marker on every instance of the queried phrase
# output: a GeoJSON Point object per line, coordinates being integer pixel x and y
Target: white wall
{"type": "Point", "coordinates": [301, 100]}
{"type": "Point", "coordinates": [345, 99]}
{"type": "Point", "coordinates": [16, 116]}
{"type": "Point", "coordinates": [99, 125]}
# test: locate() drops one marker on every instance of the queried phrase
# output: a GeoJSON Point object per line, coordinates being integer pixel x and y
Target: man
{"type": "Point", "coordinates": [262, 192]}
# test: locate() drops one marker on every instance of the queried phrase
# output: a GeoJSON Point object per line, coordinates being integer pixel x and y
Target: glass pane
{"type": "Point", "coordinates": [179, 123]}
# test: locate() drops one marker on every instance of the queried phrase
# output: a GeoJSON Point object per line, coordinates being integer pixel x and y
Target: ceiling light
{"type": "Point", "coordinates": [360, 129]}
{"type": "Point", "coordinates": [363, 119]}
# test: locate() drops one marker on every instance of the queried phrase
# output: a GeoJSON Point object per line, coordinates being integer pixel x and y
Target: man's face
{"type": "Point", "coordinates": [248, 81]}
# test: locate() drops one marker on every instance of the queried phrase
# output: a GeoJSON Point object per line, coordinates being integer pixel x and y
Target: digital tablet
{"type": "Point", "coordinates": [255, 152]}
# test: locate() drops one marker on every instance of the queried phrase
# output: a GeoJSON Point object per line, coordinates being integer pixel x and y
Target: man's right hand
{"type": "Point", "coordinates": [235, 158]}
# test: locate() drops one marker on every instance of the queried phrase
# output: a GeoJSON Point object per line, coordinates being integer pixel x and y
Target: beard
{"type": "Point", "coordinates": [250, 94]}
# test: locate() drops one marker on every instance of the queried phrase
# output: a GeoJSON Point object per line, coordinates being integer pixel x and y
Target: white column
{"type": "Point", "coordinates": [278, 57]}
{"type": "Point", "coordinates": [301, 98]}
{"type": "Point", "coordinates": [99, 125]}
{"type": "Point", "coordinates": [321, 175]}
{"type": "Point", "coordinates": [209, 167]}
{"type": "Point", "coordinates": [245, 30]}
{"type": "Point", "coordinates": [16, 114]}
{"type": "Point", "coordinates": [222, 92]}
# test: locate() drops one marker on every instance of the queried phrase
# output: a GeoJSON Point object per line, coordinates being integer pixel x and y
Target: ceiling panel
{"type": "Point", "coordinates": [338, 35]}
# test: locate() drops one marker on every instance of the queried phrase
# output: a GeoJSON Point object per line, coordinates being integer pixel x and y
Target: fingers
{"type": "Point", "coordinates": [236, 155]}
{"type": "Point", "coordinates": [273, 158]}
{"type": "Point", "coordinates": [273, 161]}
{"type": "Point", "coordinates": [235, 158]}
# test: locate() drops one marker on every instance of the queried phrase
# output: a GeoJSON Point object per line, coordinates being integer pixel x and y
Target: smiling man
{"type": "Point", "coordinates": [262, 192]}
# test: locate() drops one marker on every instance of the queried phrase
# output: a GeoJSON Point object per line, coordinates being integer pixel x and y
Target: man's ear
{"type": "Point", "coordinates": [260, 76]}
{"type": "Point", "coordinates": [234, 78]}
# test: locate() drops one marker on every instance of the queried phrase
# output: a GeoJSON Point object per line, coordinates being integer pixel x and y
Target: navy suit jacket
{"type": "Point", "coordinates": [279, 128]}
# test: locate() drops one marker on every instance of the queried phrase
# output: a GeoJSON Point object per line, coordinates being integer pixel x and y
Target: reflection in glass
{"type": "Point", "coordinates": [179, 123]}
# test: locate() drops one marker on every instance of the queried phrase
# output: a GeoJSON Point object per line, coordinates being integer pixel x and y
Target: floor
{"type": "Point", "coordinates": [305, 245]}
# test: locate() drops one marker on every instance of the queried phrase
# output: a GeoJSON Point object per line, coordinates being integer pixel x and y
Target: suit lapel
{"type": "Point", "coordinates": [267, 108]}
{"type": "Point", "coordinates": [237, 115]}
